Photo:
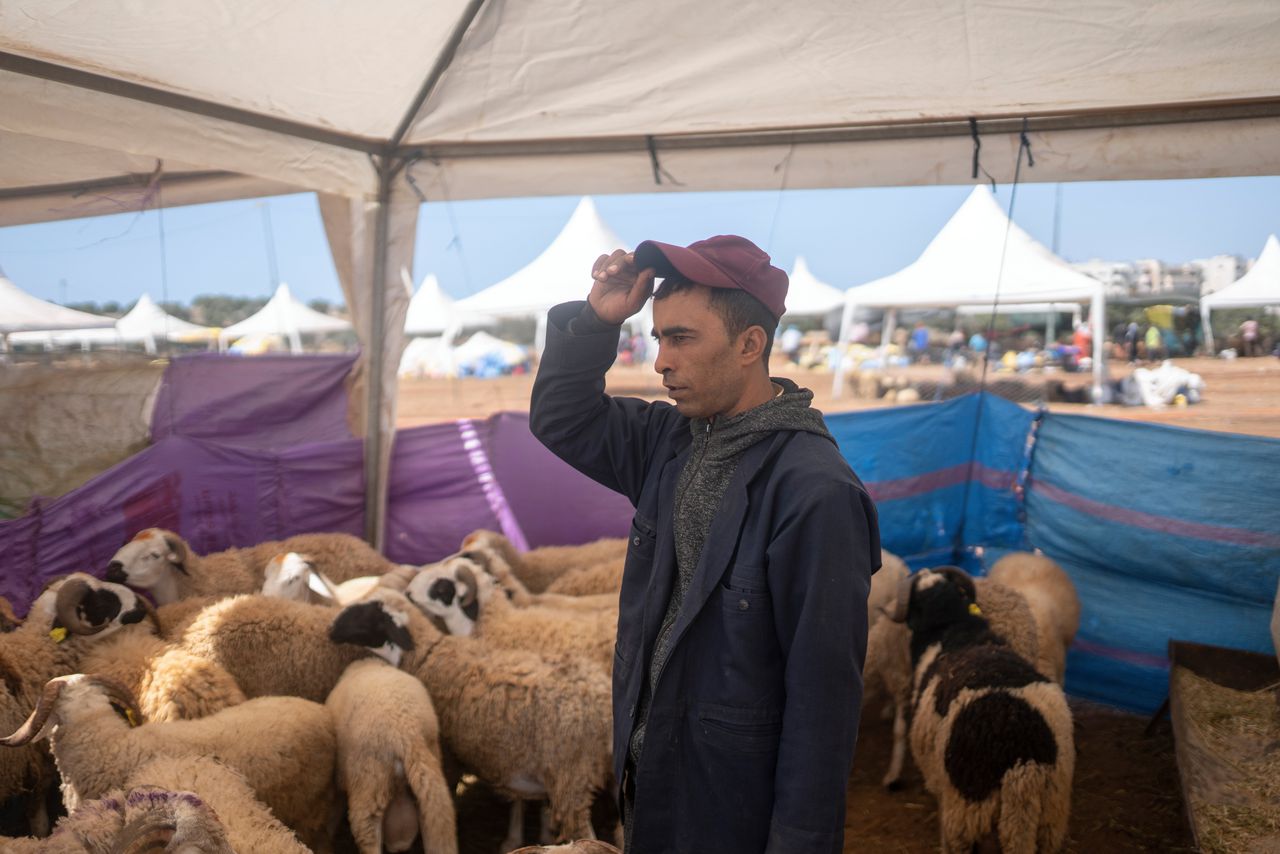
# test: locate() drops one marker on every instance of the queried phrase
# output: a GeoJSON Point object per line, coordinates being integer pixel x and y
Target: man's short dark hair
{"type": "Point", "coordinates": [738, 310]}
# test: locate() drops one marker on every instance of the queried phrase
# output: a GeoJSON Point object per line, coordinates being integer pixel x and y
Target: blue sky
{"type": "Point", "coordinates": [848, 236]}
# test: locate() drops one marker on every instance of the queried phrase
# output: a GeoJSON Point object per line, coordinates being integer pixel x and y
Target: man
{"type": "Point", "coordinates": [742, 619]}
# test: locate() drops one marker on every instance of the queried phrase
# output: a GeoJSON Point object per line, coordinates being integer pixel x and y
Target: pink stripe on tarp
{"type": "Point", "coordinates": [489, 485]}
{"type": "Point", "coordinates": [1152, 522]}
{"type": "Point", "coordinates": [906, 487]}
{"type": "Point", "coordinates": [1142, 659]}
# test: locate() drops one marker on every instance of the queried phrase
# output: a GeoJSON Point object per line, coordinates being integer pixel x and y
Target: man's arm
{"type": "Point", "coordinates": [820, 566]}
{"type": "Point", "coordinates": [608, 439]}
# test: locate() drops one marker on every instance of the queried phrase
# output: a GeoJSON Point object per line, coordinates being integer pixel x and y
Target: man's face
{"type": "Point", "coordinates": [698, 362]}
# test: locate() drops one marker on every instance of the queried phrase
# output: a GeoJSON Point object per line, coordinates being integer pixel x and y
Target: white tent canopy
{"type": "Point", "coordinates": [979, 258]}
{"type": "Point", "coordinates": [20, 310]}
{"type": "Point", "coordinates": [107, 107]}
{"type": "Point", "coordinates": [433, 312]}
{"type": "Point", "coordinates": [807, 295]}
{"type": "Point", "coordinates": [286, 316]}
{"type": "Point", "coordinates": [430, 310]}
{"type": "Point", "coordinates": [145, 324]}
{"type": "Point", "coordinates": [1257, 288]}
{"type": "Point", "coordinates": [562, 272]}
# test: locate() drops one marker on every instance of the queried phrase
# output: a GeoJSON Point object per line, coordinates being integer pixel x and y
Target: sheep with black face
{"type": "Point", "coordinates": [992, 735]}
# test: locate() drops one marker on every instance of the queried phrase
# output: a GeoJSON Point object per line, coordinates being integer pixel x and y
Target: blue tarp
{"type": "Point", "coordinates": [1167, 534]}
{"type": "Point", "coordinates": [940, 493]}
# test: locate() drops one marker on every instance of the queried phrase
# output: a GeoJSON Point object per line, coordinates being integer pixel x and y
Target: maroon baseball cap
{"type": "Point", "coordinates": [723, 261]}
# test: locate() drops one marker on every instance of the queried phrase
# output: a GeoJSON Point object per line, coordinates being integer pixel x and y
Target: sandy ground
{"type": "Point", "coordinates": [1241, 396]}
{"type": "Point", "coordinates": [1125, 795]}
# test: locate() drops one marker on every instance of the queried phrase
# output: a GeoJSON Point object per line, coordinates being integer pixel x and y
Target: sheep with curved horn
{"type": "Point", "coordinates": [284, 746]}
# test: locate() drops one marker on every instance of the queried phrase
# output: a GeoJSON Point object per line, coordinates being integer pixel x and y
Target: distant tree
{"type": "Point", "coordinates": [321, 305]}
{"type": "Point", "coordinates": [223, 310]}
{"type": "Point", "coordinates": [111, 309]}
{"type": "Point", "coordinates": [176, 309]}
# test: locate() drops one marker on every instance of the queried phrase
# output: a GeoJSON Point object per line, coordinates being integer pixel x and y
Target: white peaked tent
{"type": "Point", "coordinates": [109, 106]}
{"type": "Point", "coordinates": [562, 272]}
{"type": "Point", "coordinates": [145, 324]}
{"type": "Point", "coordinates": [434, 312]}
{"type": "Point", "coordinates": [430, 309]}
{"type": "Point", "coordinates": [20, 311]}
{"type": "Point", "coordinates": [807, 295]}
{"type": "Point", "coordinates": [1257, 288]}
{"type": "Point", "coordinates": [286, 316]}
{"type": "Point", "coordinates": [979, 258]}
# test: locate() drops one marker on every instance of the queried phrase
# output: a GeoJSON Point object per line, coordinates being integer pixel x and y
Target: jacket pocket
{"type": "Point", "coordinates": [747, 578]}
{"type": "Point", "coordinates": [738, 729]}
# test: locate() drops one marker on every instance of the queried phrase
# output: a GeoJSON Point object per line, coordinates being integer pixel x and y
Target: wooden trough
{"type": "Point", "coordinates": [1226, 729]}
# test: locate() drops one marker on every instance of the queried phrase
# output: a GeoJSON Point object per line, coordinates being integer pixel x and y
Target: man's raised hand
{"type": "Point", "coordinates": [619, 289]}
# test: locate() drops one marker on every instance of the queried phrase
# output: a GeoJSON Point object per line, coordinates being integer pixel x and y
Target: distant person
{"type": "Point", "coordinates": [919, 344]}
{"type": "Point", "coordinates": [955, 344]}
{"type": "Point", "coordinates": [977, 342]}
{"type": "Point", "coordinates": [1082, 338]}
{"type": "Point", "coordinates": [1249, 338]}
{"type": "Point", "coordinates": [790, 341]}
{"type": "Point", "coordinates": [639, 349]}
{"type": "Point", "coordinates": [1155, 343]}
{"type": "Point", "coordinates": [1131, 336]}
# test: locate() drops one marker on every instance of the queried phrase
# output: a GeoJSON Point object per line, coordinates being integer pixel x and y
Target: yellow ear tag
{"type": "Point", "coordinates": [59, 634]}
{"type": "Point", "coordinates": [974, 609]}
{"type": "Point", "coordinates": [131, 717]}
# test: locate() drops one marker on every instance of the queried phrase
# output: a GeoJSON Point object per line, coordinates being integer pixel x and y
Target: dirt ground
{"type": "Point", "coordinates": [1241, 396]}
{"type": "Point", "coordinates": [1125, 797]}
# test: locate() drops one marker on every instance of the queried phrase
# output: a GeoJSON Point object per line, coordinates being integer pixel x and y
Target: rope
{"type": "Point", "coordinates": [1024, 145]}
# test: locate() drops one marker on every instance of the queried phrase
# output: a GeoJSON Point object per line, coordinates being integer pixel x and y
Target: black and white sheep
{"type": "Point", "coordinates": [992, 735]}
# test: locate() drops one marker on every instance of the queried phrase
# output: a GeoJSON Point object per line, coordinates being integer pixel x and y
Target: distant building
{"type": "Point", "coordinates": [1118, 276]}
{"type": "Point", "coordinates": [1218, 272]}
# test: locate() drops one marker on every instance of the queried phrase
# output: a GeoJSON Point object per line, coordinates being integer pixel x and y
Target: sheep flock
{"type": "Point", "coordinates": [309, 695]}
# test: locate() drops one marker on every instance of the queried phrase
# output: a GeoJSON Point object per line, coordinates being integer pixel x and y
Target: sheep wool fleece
{"type": "Point", "coordinates": [751, 719]}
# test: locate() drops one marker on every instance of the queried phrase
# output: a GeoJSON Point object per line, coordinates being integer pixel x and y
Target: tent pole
{"type": "Point", "coordinates": [846, 329]}
{"type": "Point", "coordinates": [375, 494]}
{"type": "Point", "coordinates": [1206, 328]}
{"type": "Point", "coordinates": [1098, 312]}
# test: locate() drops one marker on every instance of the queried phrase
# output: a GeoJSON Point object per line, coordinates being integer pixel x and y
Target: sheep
{"type": "Point", "coordinates": [502, 625]}
{"type": "Point", "coordinates": [164, 564]}
{"type": "Point", "coordinates": [41, 648]}
{"type": "Point", "coordinates": [249, 825]}
{"type": "Point", "coordinates": [131, 822]}
{"type": "Point", "coordinates": [590, 580]}
{"type": "Point", "coordinates": [492, 561]}
{"type": "Point", "coordinates": [169, 683]}
{"type": "Point", "coordinates": [887, 672]}
{"type": "Point", "coordinates": [389, 760]}
{"type": "Point", "coordinates": [284, 747]}
{"type": "Point", "coordinates": [294, 576]}
{"type": "Point", "coordinates": [538, 568]}
{"type": "Point", "coordinates": [530, 726]}
{"type": "Point", "coordinates": [884, 586]}
{"type": "Point", "coordinates": [992, 734]}
{"type": "Point", "coordinates": [8, 619]}
{"type": "Point", "coordinates": [269, 646]}
{"type": "Point", "coordinates": [1053, 602]}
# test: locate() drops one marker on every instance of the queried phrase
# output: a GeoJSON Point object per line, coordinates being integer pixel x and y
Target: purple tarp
{"type": "Point", "coordinates": [248, 450]}
{"type": "Point", "coordinates": [260, 402]}
{"type": "Point", "coordinates": [217, 496]}
{"type": "Point", "coordinates": [449, 479]}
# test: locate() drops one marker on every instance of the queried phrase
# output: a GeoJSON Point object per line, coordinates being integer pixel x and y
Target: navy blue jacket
{"type": "Point", "coordinates": [752, 723]}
